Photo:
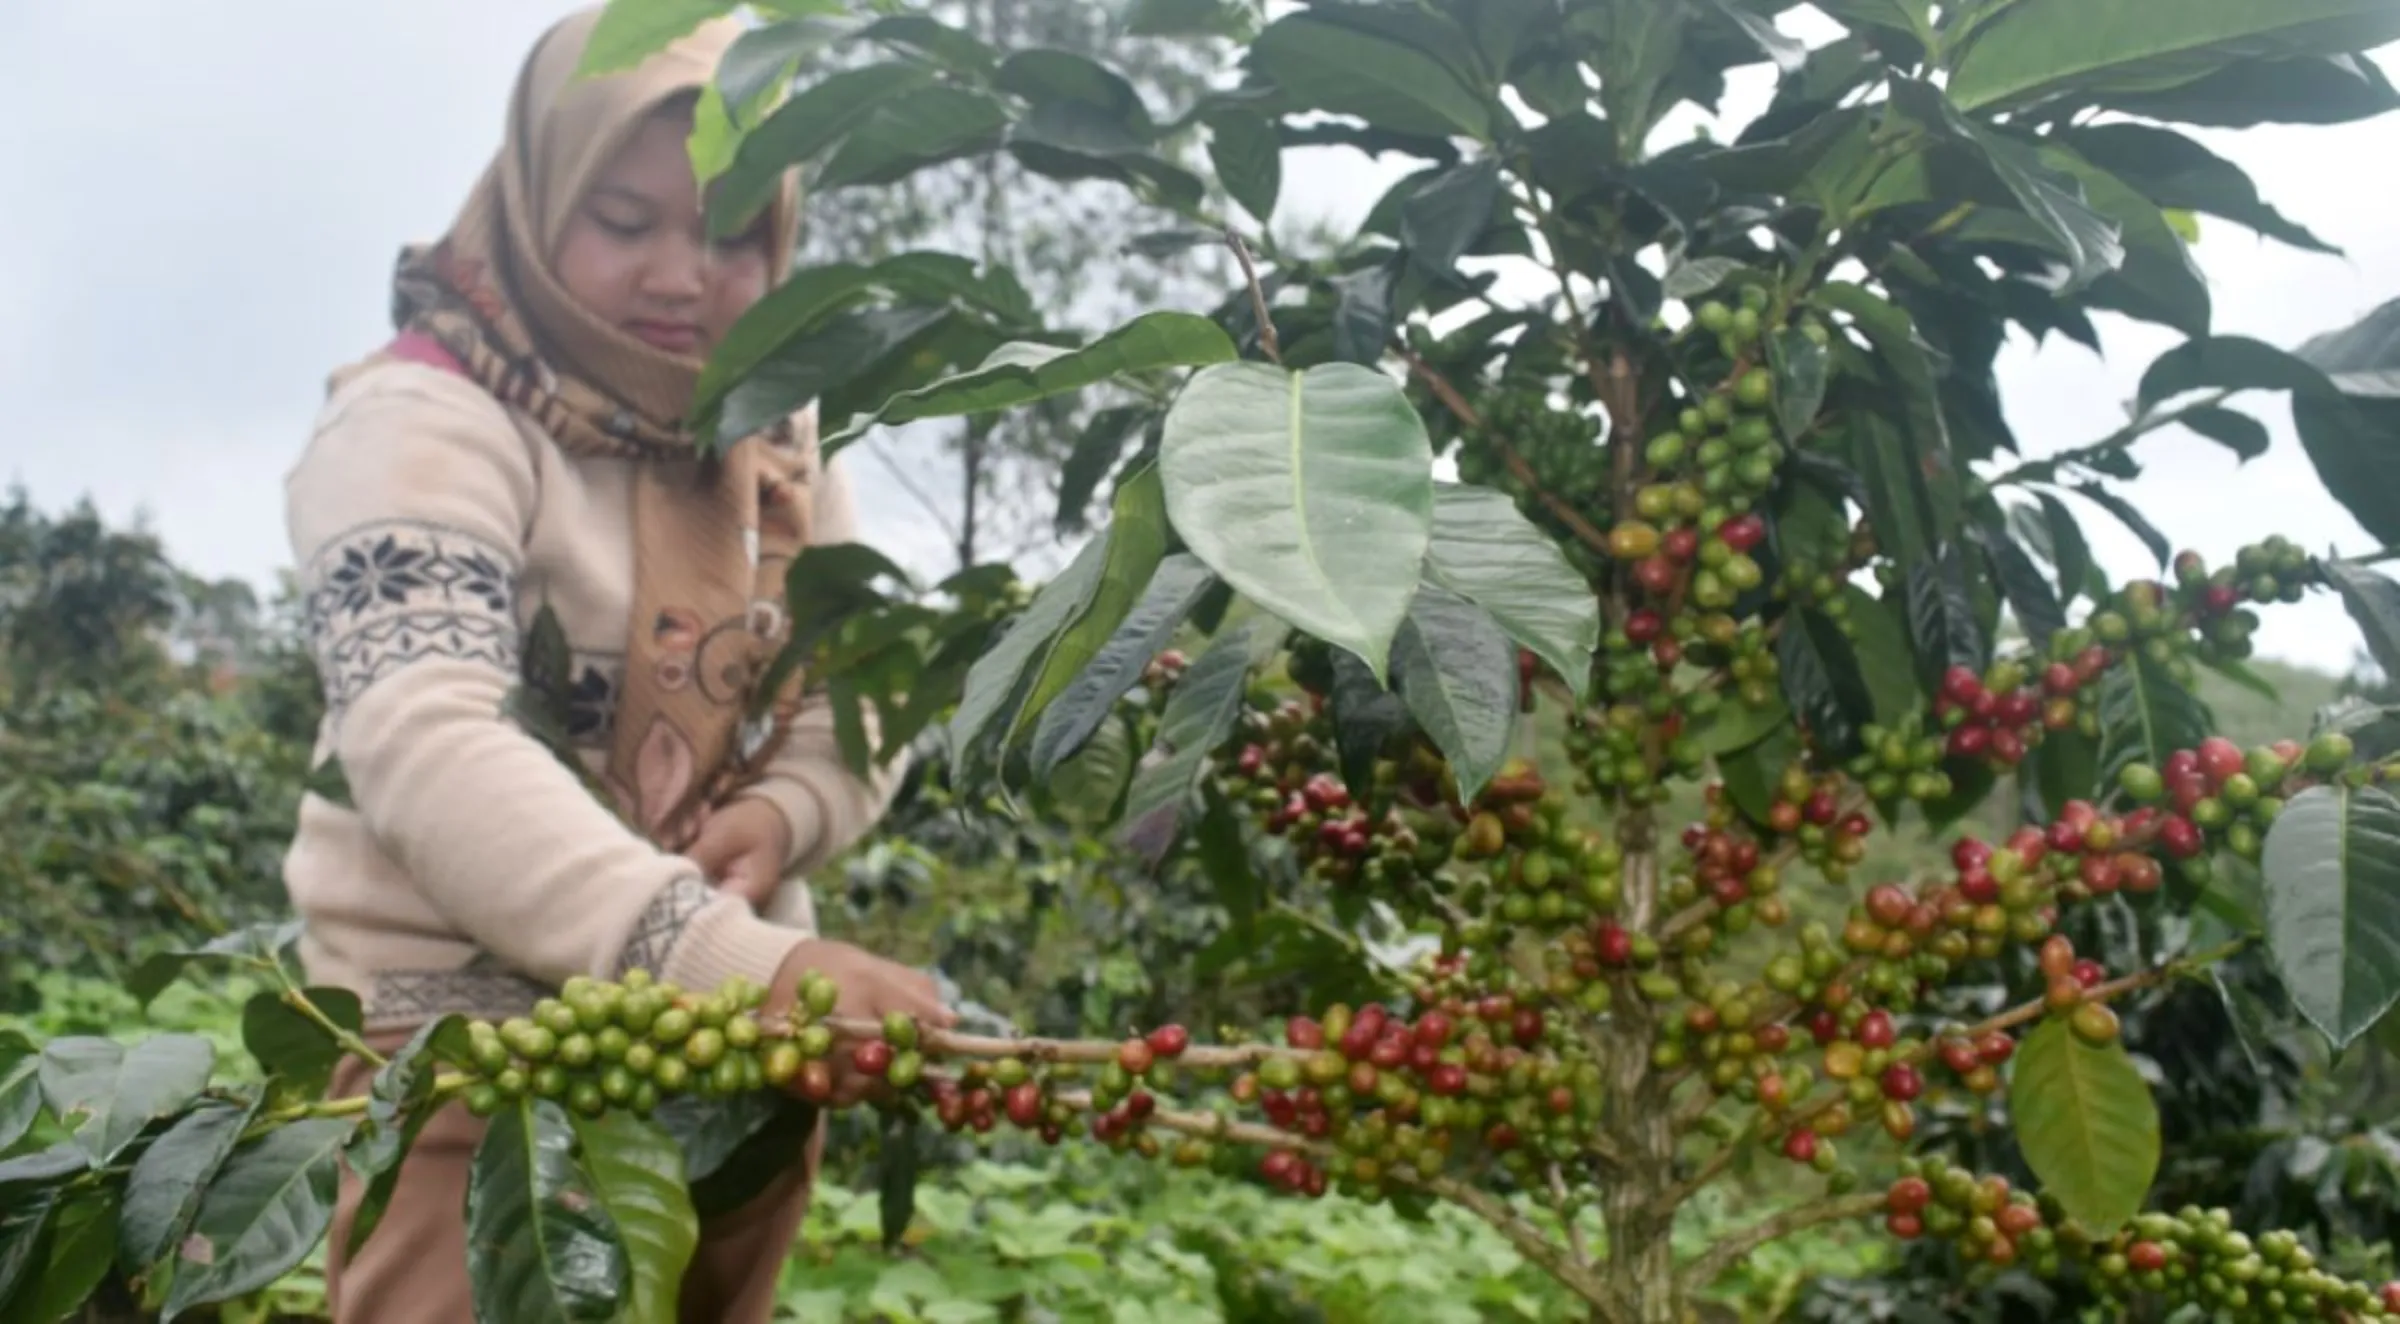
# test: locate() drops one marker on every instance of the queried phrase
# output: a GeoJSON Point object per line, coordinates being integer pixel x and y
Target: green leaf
{"type": "Point", "coordinates": [1310, 493]}
{"type": "Point", "coordinates": [1486, 551]}
{"type": "Point", "coordinates": [1362, 312]}
{"type": "Point", "coordinates": [2067, 767]}
{"type": "Point", "coordinates": [2332, 868]}
{"type": "Point", "coordinates": [82, 1234]}
{"type": "Point", "coordinates": [631, 31]}
{"type": "Point", "coordinates": [2374, 602]}
{"type": "Point", "coordinates": [1021, 372]}
{"type": "Point", "coordinates": [1879, 636]}
{"type": "Point", "coordinates": [1821, 679]}
{"type": "Point", "coordinates": [802, 129]}
{"type": "Point", "coordinates": [400, 1101]}
{"type": "Point", "coordinates": [954, 48]}
{"type": "Point", "coordinates": [2131, 518]}
{"type": "Point", "coordinates": [2070, 554]}
{"type": "Point", "coordinates": [1225, 860]}
{"type": "Point", "coordinates": [1734, 725]}
{"type": "Point", "coordinates": [1689, 279]}
{"type": "Point", "coordinates": [1800, 365]}
{"type": "Point", "coordinates": [2030, 597]}
{"type": "Point", "coordinates": [937, 122]}
{"type": "Point", "coordinates": [1247, 155]}
{"type": "Point", "coordinates": [2245, 436]}
{"type": "Point", "coordinates": [289, 1045]}
{"type": "Point", "coordinates": [541, 1245]}
{"type": "Point", "coordinates": [20, 1087]}
{"type": "Point", "coordinates": [1441, 220]}
{"type": "Point", "coordinates": [1897, 503]}
{"type": "Point", "coordinates": [163, 1193]}
{"type": "Point", "coordinates": [2303, 90]}
{"type": "Point", "coordinates": [1457, 672]}
{"type": "Point", "coordinates": [25, 1227]}
{"type": "Point", "coordinates": [896, 1177]}
{"type": "Point", "coordinates": [2352, 443]}
{"type": "Point", "coordinates": [2086, 1125]}
{"type": "Point", "coordinates": [1087, 785]}
{"type": "Point", "coordinates": [710, 1131]}
{"type": "Point", "coordinates": [2228, 363]}
{"type": "Point", "coordinates": [1751, 772]}
{"type": "Point", "coordinates": [42, 1168]}
{"type": "Point", "coordinates": [2038, 48]}
{"type": "Point", "coordinates": [839, 351]}
{"type": "Point", "coordinates": [1639, 45]}
{"type": "Point", "coordinates": [2091, 244]}
{"type": "Point", "coordinates": [994, 683]}
{"type": "Point", "coordinates": [105, 1094]}
{"type": "Point", "coordinates": [1199, 715]}
{"type": "Point", "coordinates": [762, 61]}
{"type": "Point", "coordinates": [1084, 706]}
{"type": "Point", "coordinates": [2175, 172]}
{"type": "Point", "coordinates": [257, 949]}
{"type": "Point", "coordinates": [1097, 450]}
{"type": "Point", "coordinates": [1322, 65]}
{"type": "Point", "coordinates": [1073, 140]}
{"type": "Point", "coordinates": [636, 1170]}
{"type": "Point", "coordinates": [2157, 279]}
{"type": "Point", "coordinates": [1137, 541]}
{"type": "Point", "coordinates": [266, 1208]}
{"type": "Point", "coordinates": [764, 1154]}
{"type": "Point", "coordinates": [1941, 619]}
{"type": "Point", "coordinates": [1366, 718]}
{"type": "Point", "coordinates": [1909, 16]}
{"type": "Point", "coordinates": [2144, 717]}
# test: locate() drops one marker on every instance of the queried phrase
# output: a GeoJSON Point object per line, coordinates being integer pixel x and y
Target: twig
{"type": "Point", "coordinates": [298, 1000]}
{"type": "Point", "coordinates": [1267, 342]}
{"type": "Point", "coordinates": [1729, 1250]}
{"type": "Point", "coordinates": [937, 1044]}
{"type": "Point", "coordinates": [2047, 470]}
{"type": "Point", "coordinates": [1583, 529]}
{"type": "Point", "coordinates": [1566, 1216]}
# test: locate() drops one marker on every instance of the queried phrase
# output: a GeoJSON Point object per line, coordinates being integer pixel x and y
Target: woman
{"type": "Point", "coordinates": [515, 451]}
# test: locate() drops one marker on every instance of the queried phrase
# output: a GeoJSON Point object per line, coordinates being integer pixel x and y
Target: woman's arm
{"type": "Point", "coordinates": [409, 515]}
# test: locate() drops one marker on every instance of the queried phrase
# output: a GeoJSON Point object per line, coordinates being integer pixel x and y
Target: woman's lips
{"type": "Point", "coordinates": [673, 337]}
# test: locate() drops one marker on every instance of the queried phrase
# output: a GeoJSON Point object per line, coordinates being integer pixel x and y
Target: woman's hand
{"type": "Point", "coordinates": [742, 848]}
{"type": "Point", "coordinates": [871, 988]}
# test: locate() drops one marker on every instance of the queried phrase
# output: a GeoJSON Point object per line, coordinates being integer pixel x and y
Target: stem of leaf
{"type": "Point", "coordinates": [1258, 298]}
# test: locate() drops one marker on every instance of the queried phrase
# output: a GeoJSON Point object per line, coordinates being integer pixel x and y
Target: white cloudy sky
{"type": "Point", "coordinates": [202, 202]}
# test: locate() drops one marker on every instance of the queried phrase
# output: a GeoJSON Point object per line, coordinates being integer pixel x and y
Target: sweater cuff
{"type": "Point", "coordinates": [803, 812]}
{"type": "Point", "coordinates": [697, 938]}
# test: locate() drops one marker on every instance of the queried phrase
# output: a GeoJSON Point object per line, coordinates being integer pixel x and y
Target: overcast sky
{"type": "Point", "coordinates": [199, 205]}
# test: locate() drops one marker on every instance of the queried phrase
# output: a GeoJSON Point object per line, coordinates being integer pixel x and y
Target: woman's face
{"type": "Point", "coordinates": [636, 252]}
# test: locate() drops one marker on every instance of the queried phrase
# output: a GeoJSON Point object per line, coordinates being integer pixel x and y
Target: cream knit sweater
{"type": "Point", "coordinates": [475, 872]}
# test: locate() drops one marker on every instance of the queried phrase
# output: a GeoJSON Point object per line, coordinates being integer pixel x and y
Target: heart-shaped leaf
{"type": "Point", "coordinates": [1486, 551]}
{"type": "Point", "coordinates": [1311, 493]}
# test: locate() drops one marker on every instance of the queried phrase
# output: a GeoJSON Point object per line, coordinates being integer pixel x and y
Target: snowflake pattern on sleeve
{"type": "Point", "coordinates": [389, 594]}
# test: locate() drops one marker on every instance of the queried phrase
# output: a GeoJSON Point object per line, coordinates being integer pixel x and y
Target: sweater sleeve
{"type": "Point", "coordinates": [828, 806]}
{"type": "Point", "coordinates": [409, 515]}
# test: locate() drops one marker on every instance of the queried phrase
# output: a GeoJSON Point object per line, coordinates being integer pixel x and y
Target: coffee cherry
{"type": "Point", "coordinates": [2095, 1023]}
{"type": "Point", "coordinates": [872, 1058]}
{"type": "Point", "coordinates": [1169, 1041]}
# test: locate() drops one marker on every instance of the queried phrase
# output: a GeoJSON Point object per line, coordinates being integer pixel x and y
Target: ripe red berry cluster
{"type": "Point", "coordinates": [2219, 794]}
{"type": "Point", "coordinates": [1986, 1221]}
{"type": "Point", "coordinates": [1997, 718]}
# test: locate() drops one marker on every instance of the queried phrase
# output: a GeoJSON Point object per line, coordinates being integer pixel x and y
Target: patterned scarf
{"type": "Point", "coordinates": [713, 536]}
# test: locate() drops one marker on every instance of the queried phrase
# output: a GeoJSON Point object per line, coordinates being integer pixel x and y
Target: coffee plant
{"type": "Point", "coordinates": [1738, 514]}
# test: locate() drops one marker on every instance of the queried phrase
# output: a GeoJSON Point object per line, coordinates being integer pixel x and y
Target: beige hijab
{"type": "Point", "coordinates": [713, 536]}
